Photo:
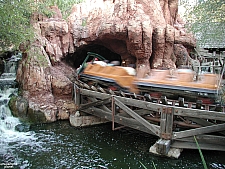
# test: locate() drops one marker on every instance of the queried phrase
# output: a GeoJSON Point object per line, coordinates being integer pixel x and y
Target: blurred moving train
{"type": "Point", "coordinates": [174, 84]}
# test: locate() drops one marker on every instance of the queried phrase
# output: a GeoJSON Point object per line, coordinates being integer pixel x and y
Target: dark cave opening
{"type": "Point", "coordinates": [76, 59]}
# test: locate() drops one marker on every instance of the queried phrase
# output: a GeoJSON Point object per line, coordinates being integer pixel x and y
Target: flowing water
{"type": "Point", "coordinates": [61, 146]}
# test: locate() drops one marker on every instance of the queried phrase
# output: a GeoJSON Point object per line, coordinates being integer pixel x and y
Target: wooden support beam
{"type": "Point", "coordinates": [128, 122]}
{"type": "Point", "coordinates": [77, 98]}
{"type": "Point", "coordinates": [166, 123]}
{"type": "Point", "coordinates": [203, 146]}
{"type": "Point", "coordinates": [140, 103]}
{"type": "Point", "coordinates": [152, 127]}
{"type": "Point", "coordinates": [102, 106]}
{"type": "Point", "coordinates": [163, 123]}
{"type": "Point", "coordinates": [206, 139]}
{"type": "Point", "coordinates": [113, 112]}
{"type": "Point", "coordinates": [94, 94]}
{"type": "Point", "coordinates": [128, 101]}
{"type": "Point", "coordinates": [142, 112]}
{"type": "Point", "coordinates": [169, 123]}
{"type": "Point", "coordinates": [95, 103]}
{"type": "Point", "coordinates": [181, 111]}
{"type": "Point", "coordinates": [163, 146]}
{"type": "Point", "coordinates": [203, 122]}
{"type": "Point", "coordinates": [202, 130]}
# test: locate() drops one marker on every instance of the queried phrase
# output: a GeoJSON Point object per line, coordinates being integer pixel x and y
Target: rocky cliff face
{"type": "Point", "coordinates": [142, 29]}
{"type": "Point", "coordinates": [141, 32]}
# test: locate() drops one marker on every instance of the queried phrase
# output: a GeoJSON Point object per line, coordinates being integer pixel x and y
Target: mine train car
{"type": "Point", "coordinates": [173, 84]}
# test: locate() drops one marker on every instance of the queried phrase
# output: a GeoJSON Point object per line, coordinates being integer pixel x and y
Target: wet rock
{"type": "Point", "coordinates": [36, 116]}
{"type": "Point", "coordinates": [22, 127]}
{"type": "Point", "coordinates": [18, 107]}
{"type": "Point", "coordinates": [181, 54]}
{"type": "Point", "coordinates": [1, 66]}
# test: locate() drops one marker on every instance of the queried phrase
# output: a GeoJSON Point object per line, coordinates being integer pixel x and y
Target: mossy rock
{"type": "Point", "coordinates": [36, 116]}
{"type": "Point", "coordinates": [19, 107]}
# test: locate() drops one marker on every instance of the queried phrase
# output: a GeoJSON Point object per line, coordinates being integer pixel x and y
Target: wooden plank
{"type": "Point", "coordinates": [141, 104]}
{"type": "Point", "coordinates": [127, 101]}
{"type": "Point", "coordinates": [152, 127]}
{"type": "Point", "coordinates": [169, 123]}
{"type": "Point", "coordinates": [128, 122]}
{"type": "Point", "coordinates": [142, 112]}
{"type": "Point", "coordinates": [96, 103]}
{"type": "Point", "coordinates": [191, 145]}
{"type": "Point", "coordinates": [203, 122]}
{"type": "Point", "coordinates": [103, 106]}
{"type": "Point", "coordinates": [113, 106]}
{"type": "Point", "coordinates": [202, 130]}
{"type": "Point", "coordinates": [180, 111]}
{"type": "Point", "coordinates": [94, 94]}
{"type": "Point", "coordinates": [77, 98]}
{"type": "Point", "coordinates": [163, 123]}
{"type": "Point", "coordinates": [208, 139]}
{"type": "Point", "coordinates": [162, 127]}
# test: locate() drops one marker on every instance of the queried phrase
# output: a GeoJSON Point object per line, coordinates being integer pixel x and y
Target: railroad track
{"type": "Point", "coordinates": [155, 97]}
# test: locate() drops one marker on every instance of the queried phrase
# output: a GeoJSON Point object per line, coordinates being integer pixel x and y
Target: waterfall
{"type": "Point", "coordinates": [7, 121]}
{"type": "Point", "coordinates": [7, 88]}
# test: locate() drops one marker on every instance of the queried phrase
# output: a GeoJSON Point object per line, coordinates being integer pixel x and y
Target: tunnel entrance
{"type": "Point", "coordinates": [77, 58]}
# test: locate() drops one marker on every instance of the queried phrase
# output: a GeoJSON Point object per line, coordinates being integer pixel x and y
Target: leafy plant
{"type": "Point", "coordinates": [206, 19]}
{"type": "Point", "coordinates": [64, 5]}
{"type": "Point", "coordinates": [201, 155]}
{"type": "Point", "coordinates": [15, 16]}
{"type": "Point", "coordinates": [15, 22]}
{"type": "Point", "coordinates": [146, 167]}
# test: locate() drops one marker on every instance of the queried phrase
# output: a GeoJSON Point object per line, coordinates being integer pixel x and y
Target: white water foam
{"type": "Point", "coordinates": [9, 137]}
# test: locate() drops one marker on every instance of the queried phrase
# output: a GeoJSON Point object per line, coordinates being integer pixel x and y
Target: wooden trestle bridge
{"type": "Point", "coordinates": [207, 126]}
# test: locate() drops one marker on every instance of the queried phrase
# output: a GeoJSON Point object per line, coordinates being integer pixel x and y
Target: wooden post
{"type": "Point", "coordinates": [77, 97]}
{"type": "Point", "coordinates": [166, 130]}
{"type": "Point", "coordinates": [169, 123]}
{"type": "Point", "coordinates": [214, 55]}
{"type": "Point", "coordinates": [113, 113]}
{"type": "Point", "coordinates": [166, 123]}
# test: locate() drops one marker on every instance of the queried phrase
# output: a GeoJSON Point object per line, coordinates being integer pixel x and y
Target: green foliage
{"type": "Point", "coordinates": [207, 20]}
{"type": "Point", "coordinates": [143, 165]}
{"type": "Point", "coordinates": [153, 164]}
{"type": "Point", "coordinates": [146, 167]}
{"type": "Point", "coordinates": [84, 22]}
{"type": "Point", "coordinates": [201, 155]}
{"type": "Point", "coordinates": [15, 16]}
{"type": "Point", "coordinates": [15, 22]}
{"type": "Point", "coordinates": [64, 5]}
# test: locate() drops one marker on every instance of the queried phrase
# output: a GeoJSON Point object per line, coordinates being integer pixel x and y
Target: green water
{"type": "Point", "coordinates": [61, 146]}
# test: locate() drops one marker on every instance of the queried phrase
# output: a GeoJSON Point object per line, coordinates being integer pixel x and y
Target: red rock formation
{"type": "Point", "coordinates": [44, 80]}
{"type": "Point", "coordinates": [141, 31]}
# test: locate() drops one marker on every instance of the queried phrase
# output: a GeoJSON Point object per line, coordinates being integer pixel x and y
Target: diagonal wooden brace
{"type": "Point", "coordinates": [96, 103]}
